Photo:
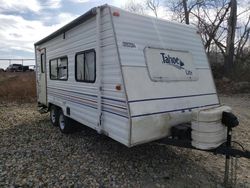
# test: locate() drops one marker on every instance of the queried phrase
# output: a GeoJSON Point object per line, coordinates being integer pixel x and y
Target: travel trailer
{"type": "Point", "coordinates": [131, 77]}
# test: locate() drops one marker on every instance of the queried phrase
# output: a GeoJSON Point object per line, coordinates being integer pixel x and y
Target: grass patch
{"type": "Point", "coordinates": [18, 87]}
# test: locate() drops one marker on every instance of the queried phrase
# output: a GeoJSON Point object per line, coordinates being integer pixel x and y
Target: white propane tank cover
{"type": "Point", "coordinates": [207, 127]}
{"type": "Point", "coordinates": [205, 146]}
{"type": "Point", "coordinates": [209, 115]}
{"type": "Point", "coordinates": [207, 130]}
{"type": "Point", "coordinates": [215, 137]}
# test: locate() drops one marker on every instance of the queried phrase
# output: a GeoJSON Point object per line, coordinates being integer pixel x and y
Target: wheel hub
{"type": "Point", "coordinates": [61, 122]}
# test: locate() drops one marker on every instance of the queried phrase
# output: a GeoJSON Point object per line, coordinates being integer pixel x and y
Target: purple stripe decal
{"type": "Point", "coordinates": [91, 95]}
{"type": "Point", "coordinates": [80, 102]}
{"type": "Point", "coordinates": [92, 101]}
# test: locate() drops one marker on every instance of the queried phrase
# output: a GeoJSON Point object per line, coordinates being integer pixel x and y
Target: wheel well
{"type": "Point", "coordinates": [50, 105]}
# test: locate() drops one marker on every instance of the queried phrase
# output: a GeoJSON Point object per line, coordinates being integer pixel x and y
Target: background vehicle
{"type": "Point", "coordinates": [17, 68]}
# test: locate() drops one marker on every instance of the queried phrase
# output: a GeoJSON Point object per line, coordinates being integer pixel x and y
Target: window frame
{"type": "Point", "coordinates": [43, 62]}
{"type": "Point", "coordinates": [57, 67]}
{"type": "Point", "coordinates": [80, 53]}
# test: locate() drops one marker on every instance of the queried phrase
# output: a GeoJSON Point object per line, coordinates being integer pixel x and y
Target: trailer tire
{"type": "Point", "coordinates": [65, 124]}
{"type": "Point", "coordinates": [54, 116]}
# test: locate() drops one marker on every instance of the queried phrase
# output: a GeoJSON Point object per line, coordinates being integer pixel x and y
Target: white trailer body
{"type": "Point", "coordinates": [128, 76]}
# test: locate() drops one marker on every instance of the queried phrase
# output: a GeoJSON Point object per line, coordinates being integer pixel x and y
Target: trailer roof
{"type": "Point", "coordinates": [72, 24]}
{"type": "Point", "coordinates": [89, 14]}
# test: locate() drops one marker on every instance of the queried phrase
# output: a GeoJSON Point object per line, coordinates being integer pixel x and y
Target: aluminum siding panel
{"type": "Point", "coordinates": [145, 32]}
{"type": "Point", "coordinates": [81, 97]}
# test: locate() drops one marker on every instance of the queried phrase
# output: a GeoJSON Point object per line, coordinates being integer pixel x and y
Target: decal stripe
{"type": "Point", "coordinates": [80, 102]}
{"type": "Point", "coordinates": [93, 101]}
{"type": "Point", "coordinates": [86, 94]}
{"type": "Point", "coordinates": [176, 97]}
{"type": "Point", "coordinates": [176, 110]}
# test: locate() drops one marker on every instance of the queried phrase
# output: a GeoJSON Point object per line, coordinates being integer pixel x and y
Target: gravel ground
{"type": "Point", "coordinates": [35, 154]}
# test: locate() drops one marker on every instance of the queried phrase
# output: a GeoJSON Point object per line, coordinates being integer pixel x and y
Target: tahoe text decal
{"type": "Point", "coordinates": [174, 61]}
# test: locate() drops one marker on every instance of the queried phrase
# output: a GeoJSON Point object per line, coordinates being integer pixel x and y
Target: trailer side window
{"type": "Point", "coordinates": [85, 66]}
{"type": "Point", "coordinates": [42, 62]}
{"type": "Point", "coordinates": [59, 68]}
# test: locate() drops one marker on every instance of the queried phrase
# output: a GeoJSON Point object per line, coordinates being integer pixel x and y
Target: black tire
{"type": "Point", "coordinates": [65, 123]}
{"type": "Point", "coordinates": [54, 115]}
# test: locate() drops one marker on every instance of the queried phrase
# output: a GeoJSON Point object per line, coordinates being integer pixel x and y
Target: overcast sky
{"type": "Point", "coordinates": [23, 22]}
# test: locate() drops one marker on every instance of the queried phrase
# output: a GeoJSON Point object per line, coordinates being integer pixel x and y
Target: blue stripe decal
{"type": "Point", "coordinates": [115, 114]}
{"type": "Point", "coordinates": [113, 99]}
{"type": "Point", "coordinates": [91, 95]}
{"type": "Point", "coordinates": [176, 97]}
{"type": "Point", "coordinates": [148, 114]}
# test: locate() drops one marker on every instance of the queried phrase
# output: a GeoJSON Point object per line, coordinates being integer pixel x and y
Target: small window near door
{"type": "Point", "coordinates": [59, 68]}
{"type": "Point", "coordinates": [42, 63]}
{"type": "Point", "coordinates": [85, 66]}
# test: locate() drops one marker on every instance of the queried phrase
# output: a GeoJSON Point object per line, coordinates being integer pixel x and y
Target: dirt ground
{"type": "Point", "coordinates": [33, 153]}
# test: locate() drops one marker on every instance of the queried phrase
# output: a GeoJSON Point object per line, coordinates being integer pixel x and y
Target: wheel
{"type": "Point", "coordinates": [54, 116]}
{"type": "Point", "coordinates": [65, 125]}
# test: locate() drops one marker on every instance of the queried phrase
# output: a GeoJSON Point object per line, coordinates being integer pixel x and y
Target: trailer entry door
{"type": "Point", "coordinates": [42, 76]}
{"type": "Point", "coordinates": [170, 65]}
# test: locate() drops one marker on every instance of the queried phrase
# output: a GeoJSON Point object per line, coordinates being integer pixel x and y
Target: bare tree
{"type": "Point", "coordinates": [153, 5]}
{"type": "Point", "coordinates": [186, 12]}
{"type": "Point", "coordinates": [183, 8]}
{"type": "Point", "coordinates": [217, 21]}
{"type": "Point", "coordinates": [229, 58]}
{"type": "Point", "coordinates": [142, 6]}
{"type": "Point", "coordinates": [134, 6]}
{"type": "Point", "coordinates": [241, 53]}
{"type": "Point", "coordinates": [211, 18]}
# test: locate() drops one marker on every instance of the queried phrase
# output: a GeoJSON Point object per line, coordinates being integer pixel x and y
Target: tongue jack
{"type": "Point", "coordinates": [230, 121]}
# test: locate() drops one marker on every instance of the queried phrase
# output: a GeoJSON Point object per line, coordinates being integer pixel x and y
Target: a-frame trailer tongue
{"type": "Point", "coordinates": [231, 153]}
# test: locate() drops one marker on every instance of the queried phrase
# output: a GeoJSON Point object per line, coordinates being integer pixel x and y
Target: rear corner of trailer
{"type": "Point", "coordinates": [166, 73]}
